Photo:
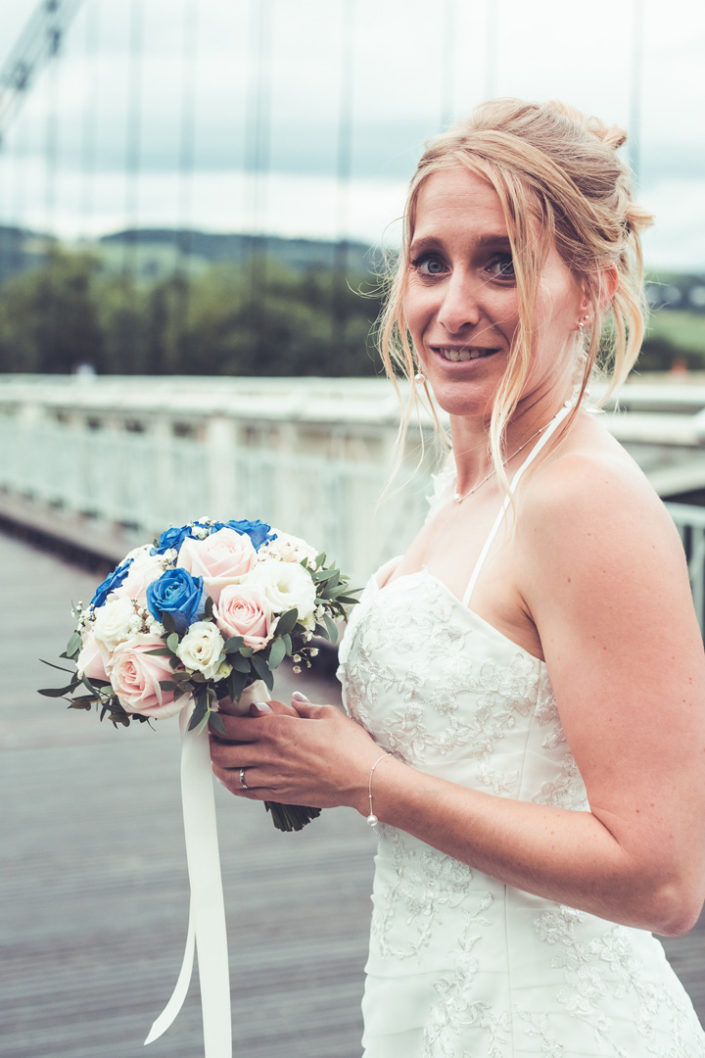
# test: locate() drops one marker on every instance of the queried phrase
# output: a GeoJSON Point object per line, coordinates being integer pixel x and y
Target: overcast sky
{"type": "Point", "coordinates": [188, 158]}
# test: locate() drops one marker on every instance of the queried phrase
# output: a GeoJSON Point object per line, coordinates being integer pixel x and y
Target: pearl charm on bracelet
{"type": "Point", "coordinates": [372, 819]}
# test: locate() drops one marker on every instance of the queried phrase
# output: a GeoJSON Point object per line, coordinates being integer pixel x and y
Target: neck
{"type": "Point", "coordinates": [471, 445]}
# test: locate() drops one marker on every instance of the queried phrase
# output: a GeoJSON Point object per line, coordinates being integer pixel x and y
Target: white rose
{"type": "Point", "coordinates": [145, 568]}
{"type": "Point", "coordinates": [289, 548]}
{"type": "Point", "coordinates": [115, 622]}
{"type": "Point", "coordinates": [201, 649]}
{"type": "Point", "coordinates": [285, 586]}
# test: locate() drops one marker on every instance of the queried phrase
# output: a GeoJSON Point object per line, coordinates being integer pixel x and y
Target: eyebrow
{"type": "Point", "coordinates": [430, 242]}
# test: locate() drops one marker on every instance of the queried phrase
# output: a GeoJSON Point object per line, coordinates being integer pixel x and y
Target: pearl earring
{"type": "Point", "coordinates": [420, 378]}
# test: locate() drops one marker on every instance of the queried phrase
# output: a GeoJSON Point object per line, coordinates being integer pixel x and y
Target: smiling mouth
{"type": "Point", "coordinates": [457, 353]}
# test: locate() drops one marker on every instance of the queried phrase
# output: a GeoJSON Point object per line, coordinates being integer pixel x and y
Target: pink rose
{"type": "Point", "coordinates": [244, 611]}
{"type": "Point", "coordinates": [91, 660]}
{"type": "Point", "coordinates": [221, 558]}
{"type": "Point", "coordinates": [135, 675]}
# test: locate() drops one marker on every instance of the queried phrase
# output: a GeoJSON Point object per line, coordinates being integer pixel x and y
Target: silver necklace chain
{"type": "Point", "coordinates": [458, 497]}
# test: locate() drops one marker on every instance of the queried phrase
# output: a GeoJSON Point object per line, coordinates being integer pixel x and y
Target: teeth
{"type": "Point", "coordinates": [464, 354]}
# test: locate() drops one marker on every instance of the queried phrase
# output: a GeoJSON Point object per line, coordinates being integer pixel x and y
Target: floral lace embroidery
{"type": "Point", "coordinates": [602, 965]}
{"type": "Point", "coordinates": [442, 690]}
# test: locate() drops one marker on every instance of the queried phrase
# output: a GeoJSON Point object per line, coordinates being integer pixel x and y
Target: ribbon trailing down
{"type": "Point", "coordinates": [206, 929]}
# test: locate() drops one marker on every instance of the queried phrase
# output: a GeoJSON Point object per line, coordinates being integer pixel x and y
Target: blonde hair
{"type": "Point", "coordinates": [557, 174]}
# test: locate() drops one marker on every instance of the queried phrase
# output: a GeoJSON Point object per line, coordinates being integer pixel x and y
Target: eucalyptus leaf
{"type": "Point", "coordinates": [288, 645]}
{"type": "Point", "coordinates": [287, 621]}
{"type": "Point", "coordinates": [233, 645]}
{"type": "Point", "coordinates": [331, 627]}
{"type": "Point", "coordinates": [172, 641]}
{"type": "Point", "coordinates": [57, 692]}
{"type": "Point", "coordinates": [61, 668]}
{"type": "Point", "coordinates": [240, 664]}
{"type": "Point", "coordinates": [216, 722]}
{"type": "Point", "coordinates": [168, 621]}
{"type": "Point", "coordinates": [162, 652]}
{"type": "Point", "coordinates": [277, 653]}
{"type": "Point", "coordinates": [73, 646]}
{"type": "Point", "coordinates": [262, 669]}
{"type": "Point", "coordinates": [237, 683]}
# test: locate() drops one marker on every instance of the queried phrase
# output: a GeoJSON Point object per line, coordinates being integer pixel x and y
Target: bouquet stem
{"type": "Point", "coordinates": [284, 817]}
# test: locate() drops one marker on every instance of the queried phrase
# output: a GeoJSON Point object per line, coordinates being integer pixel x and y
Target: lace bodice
{"type": "Point", "coordinates": [461, 965]}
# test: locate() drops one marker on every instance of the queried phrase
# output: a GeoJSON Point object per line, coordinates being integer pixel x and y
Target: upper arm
{"type": "Point", "coordinates": [606, 585]}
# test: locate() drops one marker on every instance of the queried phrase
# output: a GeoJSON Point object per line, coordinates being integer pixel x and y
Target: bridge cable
{"type": "Point", "coordinates": [133, 130]}
{"type": "Point", "coordinates": [257, 163]}
{"type": "Point", "coordinates": [187, 139]}
{"type": "Point", "coordinates": [343, 175]}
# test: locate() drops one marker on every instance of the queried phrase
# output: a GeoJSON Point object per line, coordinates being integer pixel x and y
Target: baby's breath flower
{"type": "Point", "coordinates": [297, 668]}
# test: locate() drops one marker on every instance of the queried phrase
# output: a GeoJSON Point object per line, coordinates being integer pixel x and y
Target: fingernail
{"type": "Point", "coordinates": [297, 696]}
{"type": "Point", "coordinates": [262, 707]}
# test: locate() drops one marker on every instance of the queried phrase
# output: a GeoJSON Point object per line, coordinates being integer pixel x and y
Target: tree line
{"type": "Point", "coordinates": [262, 318]}
{"type": "Point", "coordinates": [265, 319]}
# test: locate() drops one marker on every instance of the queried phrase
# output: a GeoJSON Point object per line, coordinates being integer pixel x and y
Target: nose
{"type": "Point", "coordinates": [460, 303]}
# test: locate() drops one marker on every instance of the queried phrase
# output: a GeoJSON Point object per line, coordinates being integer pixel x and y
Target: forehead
{"type": "Point", "coordinates": [457, 197]}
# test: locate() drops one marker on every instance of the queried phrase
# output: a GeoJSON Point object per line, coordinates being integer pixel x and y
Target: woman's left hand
{"type": "Point", "coordinates": [305, 754]}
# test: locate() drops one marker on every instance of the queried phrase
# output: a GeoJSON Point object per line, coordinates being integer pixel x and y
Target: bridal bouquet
{"type": "Point", "coordinates": [201, 616]}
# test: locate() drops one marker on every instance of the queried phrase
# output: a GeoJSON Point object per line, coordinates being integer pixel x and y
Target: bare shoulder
{"type": "Point", "coordinates": [601, 559]}
{"type": "Point", "coordinates": [591, 500]}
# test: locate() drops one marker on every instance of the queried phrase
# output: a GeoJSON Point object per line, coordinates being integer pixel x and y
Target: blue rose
{"type": "Point", "coordinates": [173, 537]}
{"type": "Point", "coordinates": [111, 582]}
{"type": "Point", "coordinates": [179, 595]}
{"type": "Point", "coordinates": [258, 532]}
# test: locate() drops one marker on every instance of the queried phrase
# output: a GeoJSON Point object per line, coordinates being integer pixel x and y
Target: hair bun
{"type": "Point", "coordinates": [611, 135]}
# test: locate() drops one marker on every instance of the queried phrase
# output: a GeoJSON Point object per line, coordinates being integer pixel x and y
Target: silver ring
{"type": "Point", "coordinates": [242, 779]}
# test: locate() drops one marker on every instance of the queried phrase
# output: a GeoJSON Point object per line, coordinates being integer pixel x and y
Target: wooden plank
{"type": "Point", "coordinates": [93, 893]}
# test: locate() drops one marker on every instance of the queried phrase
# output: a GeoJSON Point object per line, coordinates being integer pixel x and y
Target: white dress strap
{"type": "Point", "coordinates": [540, 444]}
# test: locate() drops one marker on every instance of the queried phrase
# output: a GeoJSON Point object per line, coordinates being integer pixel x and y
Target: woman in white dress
{"type": "Point", "coordinates": [525, 687]}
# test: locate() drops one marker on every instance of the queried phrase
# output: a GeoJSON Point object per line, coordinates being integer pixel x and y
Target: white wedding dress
{"type": "Point", "coordinates": [460, 965]}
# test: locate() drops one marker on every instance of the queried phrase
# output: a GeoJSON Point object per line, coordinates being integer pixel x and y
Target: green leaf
{"type": "Point", "coordinates": [287, 621]}
{"type": "Point", "coordinates": [172, 641]}
{"type": "Point", "coordinates": [57, 692]}
{"type": "Point", "coordinates": [168, 621]}
{"type": "Point", "coordinates": [237, 683]}
{"type": "Point", "coordinates": [73, 646]}
{"type": "Point", "coordinates": [200, 712]}
{"type": "Point", "coordinates": [208, 610]}
{"type": "Point", "coordinates": [331, 627]}
{"type": "Point", "coordinates": [240, 664]}
{"type": "Point", "coordinates": [181, 676]}
{"type": "Point", "coordinates": [162, 652]}
{"type": "Point", "coordinates": [261, 668]}
{"type": "Point", "coordinates": [288, 646]}
{"type": "Point", "coordinates": [81, 703]}
{"type": "Point", "coordinates": [216, 722]}
{"type": "Point", "coordinates": [233, 645]}
{"type": "Point", "coordinates": [169, 685]}
{"type": "Point", "coordinates": [277, 653]}
{"type": "Point", "coordinates": [61, 668]}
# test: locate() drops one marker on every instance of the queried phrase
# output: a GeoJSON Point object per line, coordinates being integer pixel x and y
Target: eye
{"type": "Point", "coordinates": [429, 264]}
{"type": "Point", "coordinates": [501, 266]}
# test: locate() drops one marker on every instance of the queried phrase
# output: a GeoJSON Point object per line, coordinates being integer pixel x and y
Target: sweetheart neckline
{"type": "Point", "coordinates": [425, 572]}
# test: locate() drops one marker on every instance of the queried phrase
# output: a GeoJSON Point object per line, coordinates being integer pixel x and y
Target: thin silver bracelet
{"type": "Point", "coordinates": [372, 818]}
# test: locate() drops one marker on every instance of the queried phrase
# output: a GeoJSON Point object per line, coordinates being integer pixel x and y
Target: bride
{"type": "Point", "coordinates": [525, 687]}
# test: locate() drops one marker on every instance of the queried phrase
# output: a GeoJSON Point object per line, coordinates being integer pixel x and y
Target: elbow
{"type": "Point", "coordinates": [674, 908]}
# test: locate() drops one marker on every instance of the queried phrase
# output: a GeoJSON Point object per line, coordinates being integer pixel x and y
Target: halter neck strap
{"type": "Point", "coordinates": [540, 444]}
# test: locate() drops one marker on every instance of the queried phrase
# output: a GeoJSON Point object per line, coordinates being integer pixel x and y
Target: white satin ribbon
{"type": "Point", "coordinates": [206, 928]}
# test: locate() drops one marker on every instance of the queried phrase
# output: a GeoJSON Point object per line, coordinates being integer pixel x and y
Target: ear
{"type": "Point", "coordinates": [609, 279]}
{"type": "Point", "coordinates": [606, 282]}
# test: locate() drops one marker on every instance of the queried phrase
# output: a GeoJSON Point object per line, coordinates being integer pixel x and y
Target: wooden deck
{"type": "Point", "coordinates": [93, 893]}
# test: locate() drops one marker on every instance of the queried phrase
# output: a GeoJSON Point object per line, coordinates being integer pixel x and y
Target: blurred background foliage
{"type": "Point", "coordinates": [283, 313]}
